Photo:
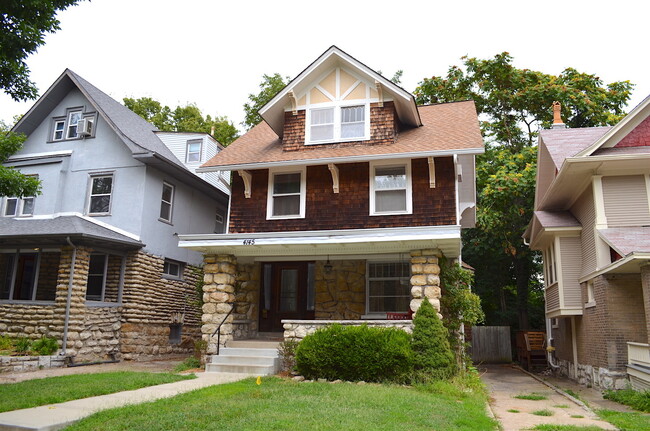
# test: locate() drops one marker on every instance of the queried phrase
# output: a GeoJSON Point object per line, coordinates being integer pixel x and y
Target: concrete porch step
{"type": "Point", "coordinates": [258, 370]}
{"type": "Point", "coordinates": [254, 344]}
{"type": "Point", "coordinates": [246, 351]}
{"type": "Point", "coordinates": [253, 360]}
{"type": "Point", "coordinates": [248, 356]}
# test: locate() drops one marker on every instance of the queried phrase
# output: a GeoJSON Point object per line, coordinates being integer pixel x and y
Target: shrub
{"type": "Point", "coordinates": [200, 349]}
{"type": "Point", "coordinates": [6, 344]}
{"type": "Point", "coordinates": [287, 352]}
{"type": "Point", "coordinates": [22, 345]}
{"type": "Point", "coordinates": [45, 346]}
{"type": "Point", "coordinates": [637, 400]}
{"type": "Point", "coordinates": [188, 364]}
{"type": "Point", "coordinates": [432, 355]}
{"type": "Point", "coordinates": [355, 353]}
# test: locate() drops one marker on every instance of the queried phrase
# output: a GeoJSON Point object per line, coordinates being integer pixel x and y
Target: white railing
{"type": "Point", "coordinates": [638, 354]}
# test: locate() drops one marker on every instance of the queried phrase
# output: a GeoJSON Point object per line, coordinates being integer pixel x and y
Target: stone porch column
{"type": "Point", "coordinates": [218, 298]}
{"type": "Point", "coordinates": [425, 278]}
{"type": "Point", "coordinates": [645, 285]}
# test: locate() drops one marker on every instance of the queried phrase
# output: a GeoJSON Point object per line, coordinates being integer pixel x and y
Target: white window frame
{"type": "Point", "coordinates": [104, 275]}
{"type": "Point", "coordinates": [371, 262]}
{"type": "Point", "coordinates": [187, 150]}
{"type": "Point", "coordinates": [62, 130]}
{"type": "Point", "coordinates": [171, 262]}
{"type": "Point", "coordinates": [90, 193]}
{"type": "Point", "coordinates": [19, 210]}
{"type": "Point", "coordinates": [550, 265]}
{"type": "Point", "coordinates": [69, 124]}
{"type": "Point", "coordinates": [303, 193]}
{"type": "Point", "coordinates": [591, 299]}
{"type": "Point", "coordinates": [170, 203]}
{"type": "Point", "coordinates": [409, 185]}
{"type": "Point", "coordinates": [337, 121]}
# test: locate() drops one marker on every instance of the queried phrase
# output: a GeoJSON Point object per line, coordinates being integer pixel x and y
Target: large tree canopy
{"type": "Point", "coordinates": [269, 87]}
{"type": "Point", "coordinates": [12, 182]}
{"type": "Point", "coordinates": [23, 25]}
{"type": "Point", "coordinates": [513, 104]}
{"type": "Point", "coordinates": [186, 118]}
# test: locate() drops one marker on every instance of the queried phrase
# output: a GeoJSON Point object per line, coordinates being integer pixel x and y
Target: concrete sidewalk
{"type": "Point", "coordinates": [57, 416]}
{"type": "Point", "coordinates": [504, 382]}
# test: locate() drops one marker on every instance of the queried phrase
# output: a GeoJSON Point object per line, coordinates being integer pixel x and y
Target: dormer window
{"type": "Point", "coordinates": [73, 119]}
{"type": "Point", "coordinates": [75, 124]}
{"type": "Point", "coordinates": [59, 127]}
{"type": "Point", "coordinates": [194, 150]}
{"type": "Point", "coordinates": [338, 124]}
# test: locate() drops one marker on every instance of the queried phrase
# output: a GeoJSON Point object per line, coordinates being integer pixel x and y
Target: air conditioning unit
{"type": "Point", "coordinates": [84, 127]}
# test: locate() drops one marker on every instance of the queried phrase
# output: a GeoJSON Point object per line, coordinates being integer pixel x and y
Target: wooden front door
{"type": "Point", "coordinates": [284, 294]}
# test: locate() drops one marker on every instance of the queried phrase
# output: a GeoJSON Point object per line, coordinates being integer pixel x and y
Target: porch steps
{"type": "Point", "coordinates": [254, 357]}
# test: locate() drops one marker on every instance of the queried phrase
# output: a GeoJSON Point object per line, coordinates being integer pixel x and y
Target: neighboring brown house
{"type": "Point", "coordinates": [592, 223]}
{"type": "Point", "coordinates": [342, 201]}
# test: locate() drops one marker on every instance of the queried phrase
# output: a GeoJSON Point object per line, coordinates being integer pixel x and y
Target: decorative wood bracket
{"type": "Point", "coordinates": [247, 177]}
{"type": "Point", "coordinates": [335, 176]}
{"type": "Point", "coordinates": [294, 102]}
{"type": "Point", "coordinates": [432, 172]}
{"type": "Point", "coordinates": [380, 92]}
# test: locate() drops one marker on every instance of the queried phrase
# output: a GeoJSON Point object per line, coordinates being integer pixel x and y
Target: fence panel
{"type": "Point", "coordinates": [491, 344]}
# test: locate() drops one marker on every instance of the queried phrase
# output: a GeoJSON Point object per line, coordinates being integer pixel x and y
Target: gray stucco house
{"type": "Point", "coordinates": [94, 260]}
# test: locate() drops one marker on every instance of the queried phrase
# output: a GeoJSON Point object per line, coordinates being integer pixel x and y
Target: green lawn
{"type": "Point", "coordinates": [279, 404]}
{"type": "Point", "coordinates": [39, 392]}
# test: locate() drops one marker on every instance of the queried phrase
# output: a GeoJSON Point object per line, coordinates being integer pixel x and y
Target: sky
{"type": "Point", "coordinates": [214, 53]}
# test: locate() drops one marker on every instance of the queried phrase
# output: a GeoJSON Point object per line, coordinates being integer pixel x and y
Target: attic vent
{"type": "Point", "coordinates": [84, 127]}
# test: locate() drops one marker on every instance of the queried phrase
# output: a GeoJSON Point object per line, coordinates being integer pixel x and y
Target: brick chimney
{"type": "Point", "coordinates": [557, 116]}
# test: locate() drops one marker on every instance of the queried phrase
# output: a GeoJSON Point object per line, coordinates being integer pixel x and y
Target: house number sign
{"type": "Point", "coordinates": [249, 242]}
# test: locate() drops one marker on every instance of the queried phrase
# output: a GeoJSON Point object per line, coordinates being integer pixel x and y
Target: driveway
{"type": "Point", "coordinates": [505, 382]}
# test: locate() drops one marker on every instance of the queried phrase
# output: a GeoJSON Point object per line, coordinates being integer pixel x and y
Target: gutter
{"type": "Point", "coordinates": [69, 298]}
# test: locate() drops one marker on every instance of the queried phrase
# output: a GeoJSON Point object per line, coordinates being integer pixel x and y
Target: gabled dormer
{"type": "Point", "coordinates": [339, 100]}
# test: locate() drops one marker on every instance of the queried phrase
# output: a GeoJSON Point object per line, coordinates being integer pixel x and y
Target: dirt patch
{"type": "Point", "coordinates": [155, 366]}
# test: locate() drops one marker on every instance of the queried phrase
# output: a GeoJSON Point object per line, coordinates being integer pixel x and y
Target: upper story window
{"type": "Point", "coordinates": [101, 189]}
{"type": "Point", "coordinates": [390, 188]}
{"type": "Point", "coordinates": [76, 124]}
{"type": "Point", "coordinates": [286, 194]}
{"type": "Point", "coordinates": [338, 123]}
{"type": "Point", "coordinates": [194, 150]}
{"type": "Point", "coordinates": [550, 268]}
{"type": "Point", "coordinates": [167, 202]}
{"type": "Point", "coordinates": [16, 207]}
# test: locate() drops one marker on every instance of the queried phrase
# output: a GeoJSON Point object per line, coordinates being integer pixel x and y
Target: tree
{"type": "Point", "coordinates": [186, 118]}
{"type": "Point", "coordinates": [12, 182]}
{"type": "Point", "coordinates": [23, 25]}
{"type": "Point", "coordinates": [432, 353]}
{"type": "Point", "coordinates": [269, 87]}
{"type": "Point", "coordinates": [513, 104]}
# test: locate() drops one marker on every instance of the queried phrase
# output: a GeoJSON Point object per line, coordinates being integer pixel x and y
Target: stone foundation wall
{"type": "Point", "coordinates": [593, 376]}
{"type": "Point", "coordinates": [341, 293]}
{"type": "Point", "coordinates": [247, 299]}
{"type": "Point", "coordinates": [299, 329]}
{"type": "Point", "coordinates": [99, 338]}
{"type": "Point", "coordinates": [29, 363]}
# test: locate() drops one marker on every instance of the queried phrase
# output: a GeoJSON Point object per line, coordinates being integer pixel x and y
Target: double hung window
{"type": "Point", "coordinates": [388, 287]}
{"type": "Point", "coordinates": [73, 119]}
{"type": "Point", "coordinates": [96, 277]}
{"type": "Point", "coordinates": [390, 188]}
{"type": "Point", "coordinates": [337, 123]}
{"type": "Point", "coordinates": [194, 150]}
{"type": "Point", "coordinates": [16, 207]}
{"type": "Point", "coordinates": [101, 189]}
{"type": "Point", "coordinates": [286, 195]}
{"type": "Point", "coordinates": [167, 202]}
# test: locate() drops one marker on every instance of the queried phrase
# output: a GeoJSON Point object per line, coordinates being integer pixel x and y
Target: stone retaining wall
{"type": "Point", "coordinates": [299, 329]}
{"type": "Point", "coordinates": [593, 376]}
{"type": "Point", "coordinates": [29, 363]}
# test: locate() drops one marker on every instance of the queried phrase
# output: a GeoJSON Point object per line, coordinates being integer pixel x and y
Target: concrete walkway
{"type": "Point", "coordinates": [504, 382]}
{"type": "Point", "coordinates": [57, 416]}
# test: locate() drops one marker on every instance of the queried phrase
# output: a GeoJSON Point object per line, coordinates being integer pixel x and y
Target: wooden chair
{"type": "Point", "coordinates": [531, 349]}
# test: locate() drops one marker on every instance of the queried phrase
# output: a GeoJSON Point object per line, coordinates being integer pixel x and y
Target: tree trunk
{"type": "Point", "coordinates": [522, 272]}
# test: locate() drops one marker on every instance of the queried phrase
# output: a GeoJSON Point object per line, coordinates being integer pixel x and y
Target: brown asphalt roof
{"type": "Point", "coordinates": [550, 219]}
{"type": "Point", "coordinates": [563, 143]}
{"type": "Point", "coordinates": [446, 127]}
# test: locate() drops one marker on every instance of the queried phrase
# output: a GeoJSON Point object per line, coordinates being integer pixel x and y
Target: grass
{"type": "Point", "coordinates": [544, 412]}
{"type": "Point", "coordinates": [561, 406]}
{"type": "Point", "coordinates": [188, 364]}
{"type": "Point", "coordinates": [549, 427]}
{"type": "Point", "coordinates": [533, 397]}
{"type": "Point", "coordinates": [577, 416]}
{"type": "Point", "coordinates": [279, 404]}
{"type": "Point", "coordinates": [637, 400]}
{"type": "Point", "coordinates": [40, 392]}
{"type": "Point", "coordinates": [513, 411]}
{"type": "Point", "coordinates": [626, 421]}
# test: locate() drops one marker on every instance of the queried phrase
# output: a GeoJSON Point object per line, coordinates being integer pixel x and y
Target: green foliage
{"type": "Point", "coordinates": [513, 104]}
{"type": "Point", "coordinates": [12, 182]}
{"type": "Point", "coordinates": [22, 345]}
{"type": "Point", "coordinates": [355, 353]}
{"type": "Point", "coordinates": [45, 346]}
{"type": "Point", "coordinates": [544, 412]}
{"type": "Point", "coordinates": [269, 87]}
{"type": "Point", "coordinates": [188, 364]}
{"type": "Point", "coordinates": [5, 344]}
{"type": "Point", "coordinates": [188, 118]}
{"type": "Point", "coordinates": [636, 399]}
{"type": "Point", "coordinates": [200, 348]}
{"type": "Point", "coordinates": [531, 397]}
{"type": "Point", "coordinates": [432, 354]}
{"type": "Point", "coordinates": [287, 352]}
{"type": "Point", "coordinates": [23, 25]}
{"type": "Point", "coordinates": [626, 421]}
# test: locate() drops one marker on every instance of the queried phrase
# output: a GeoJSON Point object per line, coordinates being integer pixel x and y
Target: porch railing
{"type": "Point", "coordinates": [638, 354]}
{"type": "Point", "coordinates": [218, 330]}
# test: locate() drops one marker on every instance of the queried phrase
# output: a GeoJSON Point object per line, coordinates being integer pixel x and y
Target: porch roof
{"type": "Point", "coordinates": [328, 242]}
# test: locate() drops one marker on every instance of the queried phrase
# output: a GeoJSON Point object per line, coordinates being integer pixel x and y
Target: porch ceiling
{"type": "Point", "coordinates": [332, 242]}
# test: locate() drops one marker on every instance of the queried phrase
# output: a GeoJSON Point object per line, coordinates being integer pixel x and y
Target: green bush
{"type": "Point", "coordinates": [6, 343]}
{"type": "Point", "coordinates": [22, 345]}
{"type": "Point", "coordinates": [355, 353]}
{"type": "Point", "coordinates": [432, 355]}
{"type": "Point", "coordinates": [188, 364]}
{"type": "Point", "coordinates": [287, 352]}
{"type": "Point", "coordinates": [45, 346]}
{"type": "Point", "coordinates": [637, 400]}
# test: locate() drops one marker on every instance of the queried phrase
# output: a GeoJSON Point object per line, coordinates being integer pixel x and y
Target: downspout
{"type": "Point", "coordinates": [549, 343]}
{"type": "Point", "coordinates": [69, 298]}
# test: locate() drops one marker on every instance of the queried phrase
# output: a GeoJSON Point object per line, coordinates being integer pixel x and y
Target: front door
{"type": "Point", "coordinates": [287, 293]}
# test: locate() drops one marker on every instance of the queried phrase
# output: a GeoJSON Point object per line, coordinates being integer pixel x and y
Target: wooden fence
{"type": "Point", "coordinates": [491, 344]}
